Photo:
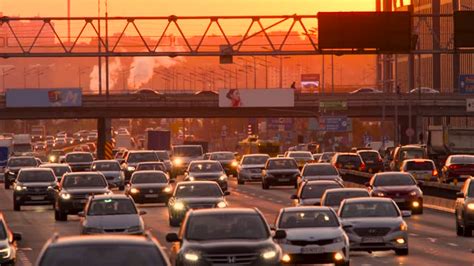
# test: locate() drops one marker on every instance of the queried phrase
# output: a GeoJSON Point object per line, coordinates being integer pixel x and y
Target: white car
{"type": "Point", "coordinates": [420, 169]}
{"type": "Point", "coordinates": [313, 235]}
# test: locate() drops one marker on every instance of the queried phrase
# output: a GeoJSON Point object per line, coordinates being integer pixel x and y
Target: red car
{"type": "Point", "coordinates": [457, 167]}
{"type": "Point", "coordinates": [400, 187]}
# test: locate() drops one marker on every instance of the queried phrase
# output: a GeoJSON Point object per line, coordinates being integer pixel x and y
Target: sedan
{"type": "Point", "coordinates": [374, 224]}
{"type": "Point", "coordinates": [319, 171]}
{"type": "Point", "coordinates": [420, 169]}
{"type": "Point", "coordinates": [250, 168]}
{"type": "Point", "coordinates": [227, 160]}
{"type": "Point", "coordinates": [8, 243]}
{"type": "Point", "coordinates": [59, 169]}
{"type": "Point", "coordinates": [372, 160]}
{"type": "Point", "coordinates": [150, 187]}
{"type": "Point", "coordinates": [112, 172]}
{"type": "Point", "coordinates": [457, 168]}
{"type": "Point", "coordinates": [207, 170]}
{"type": "Point", "coordinates": [34, 186]}
{"type": "Point", "coordinates": [301, 157]}
{"type": "Point", "coordinates": [280, 172]}
{"type": "Point", "coordinates": [464, 209]}
{"type": "Point", "coordinates": [311, 192]}
{"type": "Point", "coordinates": [334, 196]}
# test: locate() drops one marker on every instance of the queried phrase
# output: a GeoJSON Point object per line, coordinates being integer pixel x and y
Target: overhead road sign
{"type": "Point", "coordinates": [332, 106]}
{"type": "Point", "coordinates": [242, 98]}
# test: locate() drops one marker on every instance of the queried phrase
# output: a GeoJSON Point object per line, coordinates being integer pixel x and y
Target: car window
{"type": "Point", "coordinates": [470, 191]}
{"type": "Point", "coordinates": [282, 164]}
{"type": "Point", "coordinates": [79, 158]}
{"type": "Point", "coordinates": [111, 207]}
{"type": "Point", "coordinates": [106, 166]}
{"type": "Point", "coordinates": [14, 162]}
{"type": "Point", "coordinates": [144, 178]}
{"type": "Point", "coordinates": [151, 166]}
{"type": "Point", "coordinates": [406, 154]}
{"type": "Point", "coordinates": [327, 156]}
{"type": "Point", "coordinates": [36, 176]}
{"type": "Point", "coordinates": [369, 209]}
{"type": "Point", "coordinates": [3, 231]}
{"type": "Point", "coordinates": [198, 190]}
{"type": "Point", "coordinates": [335, 198]}
{"type": "Point", "coordinates": [394, 180]}
{"type": "Point", "coordinates": [369, 156]}
{"type": "Point", "coordinates": [462, 159]}
{"type": "Point", "coordinates": [311, 191]}
{"type": "Point", "coordinates": [163, 155]}
{"type": "Point", "coordinates": [226, 226]}
{"type": "Point", "coordinates": [305, 155]}
{"type": "Point", "coordinates": [74, 181]}
{"type": "Point", "coordinates": [346, 159]}
{"type": "Point", "coordinates": [222, 156]}
{"type": "Point", "coordinates": [103, 254]}
{"type": "Point", "coordinates": [136, 157]}
{"type": "Point", "coordinates": [319, 170]}
{"type": "Point", "coordinates": [300, 219]}
{"type": "Point", "coordinates": [255, 159]}
{"type": "Point", "coordinates": [60, 170]}
{"type": "Point", "coordinates": [205, 167]}
{"type": "Point", "coordinates": [419, 166]}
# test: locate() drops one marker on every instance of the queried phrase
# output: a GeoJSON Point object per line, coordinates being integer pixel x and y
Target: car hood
{"type": "Point", "coordinates": [200, 200]}
{"type": "Point", "coordinates": [113, 221]}
{"type": "Point", "coordinates": [110, 173]}
{"type": "Point", "coordinates": [321, 177]}
{"type": "Point", "coordinates": [396, 188]}
{"type": "Point", "coordinates": [372, 222]}
{"type": "Point", "coordinates": [150, 185]}
{"type": "Point", "coordinates": [234, 246]}
{"type": "Point", "coordinates": [37, 184]}
{"type": "Point", "coordinates": [310, 201]}
{"type": "Point", "coordinates": [84, 190]}
{"type": "Point", "coordinates": [210, 175]}
{"type": "Point", "coordinates": [314, 233]}
{"type": "Point", "coordinates": [245, 166]}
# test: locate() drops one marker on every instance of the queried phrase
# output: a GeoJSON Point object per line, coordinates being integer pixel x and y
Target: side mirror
{"type": "Point", "coordinates": [294, 197]}
{"type": "Point", "coordinates": [17, 236]}
{"type": "Point", "coordinates": [347, 226]}
{"type": "Point", "coordinates": [172, 237]}
{"type": "Point", "coordinates": [172, 181]}
{"type": "Point", "coordinates": [280, 234]}
{"type": "Point", "coordinates": [226, 193]}
{"type": "Point", "coordinates": [406, 214]}
{"type": "Point", "coordinates": [141, 212]}
{"type": "Point", "coordinates": [459, 195]}
{"type": "Point", "coordinates": [81, 214]}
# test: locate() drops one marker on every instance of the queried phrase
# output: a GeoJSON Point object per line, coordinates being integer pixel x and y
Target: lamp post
{"type": "Point", "coordinates": [4, 74]}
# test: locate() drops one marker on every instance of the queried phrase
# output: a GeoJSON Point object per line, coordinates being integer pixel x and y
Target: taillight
{"type": "Point", "coordinates": [453, 166]}
{"type": "Point", "coordinates": [362, 167]}
{"type": "Point", "coordinates": [435, 172]}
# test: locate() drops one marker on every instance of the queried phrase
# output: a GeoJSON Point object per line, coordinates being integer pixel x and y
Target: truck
{"type": "Point", "coordinates": [445, 140]}
{"type": "Point", "coordinates": [21, 144]}
{"type": "Point", "coordinates": [158, 140]}
{"type": "Point", "coordinates": [38, 132]}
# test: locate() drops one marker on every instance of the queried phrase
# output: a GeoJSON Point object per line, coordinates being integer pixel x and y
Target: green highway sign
{"type": "Point", "coordinates": [333, 106]}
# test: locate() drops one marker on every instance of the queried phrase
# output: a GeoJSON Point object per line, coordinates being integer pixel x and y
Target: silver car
{"type": "Point", "coordinates": [374, 224]}
{"type": "Point", "coordinates": [319, 171]}
{"type": "Point", "coordinates": [111, 214]}
{"type": "Point", "coordinates": [313, 235]}
{"type": "Point", "coordinates": [250, 167]}
{"type": "Point", "coordinates": [112, 172]}
{"type": "Point", "coordinates": [333, 197]}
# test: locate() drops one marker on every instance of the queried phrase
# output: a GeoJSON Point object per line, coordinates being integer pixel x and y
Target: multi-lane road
{"type": "Point", "coordinates": [432, 241]}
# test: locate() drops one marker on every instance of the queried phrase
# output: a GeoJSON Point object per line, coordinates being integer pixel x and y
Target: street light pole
{"type": "Point", "coordinates": [281, 71]}
{"type": "Point", "coordinates": [332, 73]}
{"type": "Point", "coordinates": [254, 73]}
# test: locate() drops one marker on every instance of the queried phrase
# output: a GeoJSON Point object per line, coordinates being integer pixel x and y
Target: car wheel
{"type": "Point", "coordinates": [459, 229]}
{"type": "Point", "coordinates": [467, 230]}
{"type": "Point", "coordinates": [16, 206]}
{"type": "Point", "coordinates": [60, 216]}
{"type": "Point", "coordinates": [7, 185]}
{"type": "Point", "coordinates": [401, 251]}
{"type": "Point", "coordinates": [174, 222]}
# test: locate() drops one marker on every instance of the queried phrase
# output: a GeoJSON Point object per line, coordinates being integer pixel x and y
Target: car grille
{"type": "Point", "coordinates": [303, 243]}
{"type": "Point", "coordinates": [201, 206]}
{"type": "Point", "coordinates": [397, 194]}
{"type": "Point", "coordinates": [232, 259]}
{"type": "Point", "coordinates": [382, 231]}
{"type": "Point", "coordinates": [255, 170]}
{"type": "Point", "coordinates": [37, 189]}
{"type": "Point", "coordinates": [115, 230]}
{"type": "Point", "coordinates": [110, 177]}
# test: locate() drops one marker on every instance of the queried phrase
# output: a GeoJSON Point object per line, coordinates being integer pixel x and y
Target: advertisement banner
{"type": "Point", "coordinates": [21, 98]}
{"type": "Point", "coordinates": [310, 81]}
{"type": "Point", "coordinates": [466, 84]}
{"type": "Point", "coordinates": [256, 98]}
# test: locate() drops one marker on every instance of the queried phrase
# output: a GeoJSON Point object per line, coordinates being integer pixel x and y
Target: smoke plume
{"type": "Point", "coordinates": [141, 71]}
{"type": "Point", "coordinates": [114, 68]}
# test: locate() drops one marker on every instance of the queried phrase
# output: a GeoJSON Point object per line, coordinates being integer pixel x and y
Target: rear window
{"type": "Point", "coordinates": [462, 159]}
{"type": "Point", "coordinates": [305, 155]}
{"type": "Point", "coordinates": [319, 170]}
{"type": "Point", "coordinates": [345, 159]}
{"type": "Point", "coordinates": [406, 154]}
{"type": "Point", "coordinates": [137, 157]}
{"type": "Point", "coordinates": [163, 155]}
{"type": "Point", "coordinates": [335, 198]}
{"type": "Point", "coordinates": [394, 180]}
{"type": "Point", "coordinates": [106, 166]}
{"type": "Point", "coordinates": [36, 176]}
{"type": "Point", "coordinates": [222, 156]}
{"type": "Point", "coordinates": [84, 180]}
{"type": "Point", "coordinates": [419, 166]}
{"type": "Point", "coordinates": [14, 162]}
{"type": "Point", "coordinates": [255, 159]}
{"type": "Point", "coordinates": [369, 156]}
{"type": "Point", "coordinates": [317, 190]}
{"type": "Point", "coordinates": [79, 158]}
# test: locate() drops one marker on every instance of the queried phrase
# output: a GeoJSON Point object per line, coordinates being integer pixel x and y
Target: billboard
{"type": "Point", "coordinates": [466, 84]}
{"type": "Point", "coordinates": [256, 98]}
{"type": "Point", "coordinates": [335, 124]}
{"type": "Point", "coordinates": [21, 98]}
{"type": "Point", "coordinates": [310, 81]}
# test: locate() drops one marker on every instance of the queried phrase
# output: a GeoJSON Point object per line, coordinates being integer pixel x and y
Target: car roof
{"type": "Point", "coordinates": [362, 151]}
{"type": "Point", "coordinates": [85, 240]}
{"type": "Point", "coordinates": [368, 199]}
{"type": "Point", "coordinates": [335, 190]}
{"type": "Point", "coordinates": [256, 154]}
{"type": "Point", "coordinates": [224, 210]}
{"type": "Point", "coordinates": [280, 159]}
{"type": "Point", "coordinates": [205, 161]}
{"type": "Point", "coordinates": [151, 162]}
{"type": "Point", "coordinates": [78, 152]}
{"type": "Point", "coordinates": [83, 173]}
{"type": "Point", "coordinates": [48, 165]}
{"type": "Point", "coordinates": [197, 183]}
{"type": "Point", "coordinates": [111, 196]}
{"type": "Point", "coordinates": [321, 182]}
{"type": "Point", "coordinates": [347, 153]}
{"type": "Point", "coordinates": [35, 169]}
{"type": "Point", "coordinates": [22, 157]}
{"type": "Point", "coordinates": [391, 173]}
{"type": "Point", "coordinates": [318, 164]}
{"type": "Point", "coordinates": [418, 160]}
{"type": "Point", "coordinates": [189, 145]}
{"type": "Point", "coordinates": [411, 146]}
{"type": "Point", "coordinates": [306, 208]}
{"type": "Point", "coordinates": [149, 172]}
{"type": "Point", "coordinates": [105, 161]}
{"type": "Point", "coordinates": [214, 152]}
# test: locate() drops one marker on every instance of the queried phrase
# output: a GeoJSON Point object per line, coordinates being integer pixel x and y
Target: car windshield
{"type": "Point", "coordinates": [419, 166]}
{"type": "Point", "coordinates": [470, 191]}
{"type": "Point", "coordinates": [319, 170]}
{"type": "Point", "coordinates": [311, 191]}
{"type": "Point", "coordinates": [394, 180]}
{"type": "Point", "coordinates": [302, 155]}
{"type": "Point", "coordinates": [151, 166]}
{"type": "Point", "coordinates": [327, 156]}
{"type": "Point", "coordinates": [369, 156]}
{"type": "Point", "coordinates": [187, 151]}
{"type": "Point", "coordinates": [226, 226]}
{"type": "Point", "coordinates": [462, 160]}
{"type": "Point", "coordinates": [163, 155]}
{"type": "Point", "coordinates": [79, 158]}
{"type": "Point", "coordinates": [308, 218]}
{"type": "Point", "coordinates": [15, 162]}
{"type": "Point", "coordinates": [84, 180]}
{"type": "Point", "coordinates": [59, 171]}
{"type": "Point", "coordinates": [412, 154]}
{"type": "Point", "coordinates": [36, 176]}
{"type": "Point", "coordinates": [369, 209]}
{"type": "Point", "coordinates": [349, 159]}
{"type": "Point", "coordinates": [224, 156]}
{"type": "Point", "coordinates": [198, 190]}
{"type": "Point", "coordinates": [137, 157]}
{"type": "Point", "coordinates": [57, 153]}
{"type": "Point", "coordinates": [111, 207]}
{"type": "Point", "coordinates": [106, 166]}
{"type": "Point", "coordinates": [282, 164]}
{"type": "Point", "coordinates": [145, 178]}
{"type": "Point", "coordinates": [335, 198]}
{"type": "Point", "coordinates": [117, 254]}
{"type": "Point", "coordinates": [255, 159]}
{"type": "Point", "coordinates": [3, 233]}
{"type": "Point", "coordinates": [205, 167]}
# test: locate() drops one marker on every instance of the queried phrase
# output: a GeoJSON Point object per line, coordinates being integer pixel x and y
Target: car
{"type": "Point", "coordinates": [317, 156]}
{"type": "Point", "coordinates": [375, 224]}
{"type": "Point", "coordinates": [365, 90]}
{"type": "Point", "coordinates": [406, 152]}
{"type": "Point", "coordinates": [8, 243]}
{"type": "Point", "coordinates": [464, 209]}
{"type": "Point", "coordinates": [207, 170]}
{"type": "Point", "coordinates": [112, 172]}
{"type": "Point", "coordinates": [14, 164]}
{"type": "Point", "coordinates": [59, 169]}
{"type": "Point", "coordinates": [60, 142]}
{"type": "Point", "coordinates": [79, 161]}
{"type": "Point", "coordinates": [150, 187]}
{"type": "Point", "coordinates": [117, 250]}
{"type": "Point", "coordinates": [334, 196]}
{"type": "Point", "coordinates": [133, 158]}
{"type": "Point", "coordinates": [74, 190]}
{"type": "Point", "coordinates": [280, 172]}
{"type": "Point", "coordinates": [227, 160]}
{"type": "Point", "coordinates": [164, 157]}
{"type": "Point", "coordinates": [143, 94]}
{"type": "Point", "coordinates": [183, 155]}
{"type": "Point", "coordinates": [225, 236]}
{"type": "Point", "coordinates": [424, 90]}
{"type": "Point", "coordinates": [301, 157]}
{"type": "Point", "coordinates": [194, 195]}
{"type": "Point", "coordinates": [157, 166]}
{"type": "Point", "coordinates": [349, 161]}
{"type": "Point", "coordinates": [311, 192]}
{"type": "Point", "coordinates": [372, 160]}
{"type": "Point", "coordinates": [457, 167]}
{"type": "Point", "coordinates": [420, 169]}
{"type": "Point", "coordinates": [401, 187]}
{"type": "Point", "coordinates": [34, 186]}
{"type": "Point", "coordinates": [111, 214]}
{"type": "Point", "coordinates": [250, 168]}
{"type": "Point", "coordinates": [313, 235]}
{"type": "Point", "coordinates": [319, 171]}
{"type": "Point", "coordinates": [326, 157]}
{"type": "Point", "coordinates": [54, 156]}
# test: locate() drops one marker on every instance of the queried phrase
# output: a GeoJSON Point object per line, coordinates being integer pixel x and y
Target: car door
{"type": "Point", "coordinates": [459, 205]}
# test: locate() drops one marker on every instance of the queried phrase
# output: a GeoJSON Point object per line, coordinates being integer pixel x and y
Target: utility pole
{"type": "Point", "coordinates": [99, 41]}
{"type": "Point", "coordinates": [254, 73]}
{"type": "Point", "coordinates": [332, 73]}
{"type": "Point", "coordinates": [69, 21]}
{"type": "Point", "coordinates": [107, 81]}
{"type": "Point", "coordinates": [322, 74]}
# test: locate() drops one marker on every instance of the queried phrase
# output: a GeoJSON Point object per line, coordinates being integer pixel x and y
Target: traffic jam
{"type": "Point", "coordinates": [326, 218]}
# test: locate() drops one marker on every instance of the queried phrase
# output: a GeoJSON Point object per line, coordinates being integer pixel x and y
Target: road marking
{"type": "Point", "coordinates": [413, 234]}
{"type": "Point", "coordinates": [432, 240]}
{"type": "Point", "coordinates": [453, 244]}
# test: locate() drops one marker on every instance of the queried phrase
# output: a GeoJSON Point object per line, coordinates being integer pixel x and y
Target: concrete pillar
{"type": "Point", "coordinates": [104, 129]}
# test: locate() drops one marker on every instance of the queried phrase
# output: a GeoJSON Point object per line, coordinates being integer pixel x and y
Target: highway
{"type": "Point", "coordinates": [433, 239]}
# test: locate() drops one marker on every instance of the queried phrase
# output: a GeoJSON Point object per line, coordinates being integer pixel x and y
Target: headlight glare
{"type": "Point", "coordinates": [403, 227]}
{"type": "Point", "coordinates": [221, 204]}
{"type": "Point", "coordinates": [470, 206]}
{"type": "Point", "coordinates": [20, 188]}
{"type": "Point", "coordinates": [179, 206]}
{"type": "Point", "coordinates": [177, 162]}
{"type": "Point", "coordinates": [65, 196]}
{"type": "Point", "coordinates": [191, 256]}
{"type": "Point", "coordinates": [413, 193]}
{"type": "Point", "coordinates": [379, 194]}
{"type": "Point", "coordinates": [134, 190]}
{"type": "Point", "coordinates": [235, 164]}
{"type": "Point", "coordinates": [167, 189]}
{"type": "Point", "coordinates": [269, 254]}
{"type": "Point", "coordinates": [223, 178]}
{"type": "Point", "coordinates": [131, 168]}
{"type": "Point", "coordinates": [191, 178]}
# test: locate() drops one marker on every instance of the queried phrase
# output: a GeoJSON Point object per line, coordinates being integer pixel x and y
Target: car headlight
{"type": "Point", "coordinates": [470, 206]}
{"type": "Point", "coordinates": [11, 173]}
{"type": "Point", "coordinates": [223, 178]}
{"type": "Point", "coordinates": [5, 252]}
{"type": "Point", "coordinates": [134, 190]}
{"type": "Point", "coordinates": [130, 168]}
{"type": "Point", "coordinates": [191, 178]}
{"type": "Point", "coordinates": [177, 162]}
{"type": "Point", "coordinates": [191, 256]}
{"type": "Point", "coordinates": [379, 194]}
{"type": "Point", "coordinates": [403, 226]}
{"type": "Point", "coordinates": [269, 254]}
{"type": "Point", "coordinates": [413, 193]}
{"type": "Point", "coordinates": [167, 189]}
{"type": "Point", "coordinates": [179, 206]}
{"type": "Point", "coordinates": [52, 158]}
{"type": "Point", "coordinates": [20, 188]}
{"type": "Point", "coordinates": [235, 164]}
{"type": "Point", "coordinates": [221, 204]}
{"type": "Point", "coordinates": [339, 239]}
{"type": "Point", "coordinates": [65, 196]}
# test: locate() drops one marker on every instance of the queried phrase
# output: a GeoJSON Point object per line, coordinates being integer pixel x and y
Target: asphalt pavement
{"type": "Point", "coordinates": [432, 236]}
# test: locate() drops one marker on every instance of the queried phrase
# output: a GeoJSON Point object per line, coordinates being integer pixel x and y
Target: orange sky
{"type": "Point", "coordinates": [181, 7]}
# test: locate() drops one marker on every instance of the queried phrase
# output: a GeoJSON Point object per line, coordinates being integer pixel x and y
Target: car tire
{"type": "Point", "coordinates": [7, 185]}
{"type": "Point", "coordinates": [16, 206]}
{"type": "Point", "coordinates": [401, 251]}
{"type": "Point", "coordinates": [60, 216]}
{"type": "Point", "coordinates": [459, 229]}
{"type": "Point", "coordinates": [467, 230]}
{"type": "Point", "coordinates": [240, 181]}
{"type": "Point", "coordinates": [265, 185]}
{"type": "Point", "coordinates": [174, 222]}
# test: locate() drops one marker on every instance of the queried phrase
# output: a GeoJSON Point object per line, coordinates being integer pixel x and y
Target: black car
{"type": "Point", "coordinates": [311, 192]}
{"type": "Point", "coordinates": [149, 187]}
{"type": "Point", "coordinates": [14, 165]}
{"type": "Point", "coordinates": [349, 161]}
{"type": "Point", "coordinates": [194, 195]}
{"type": "Point", "coordinates": [74, 191]}
{"type": "Point", "coordinates": [234, 236]}
{"type": "Point", "coordinates": [58, 169]}
{"type": "Point", "coordinates": [79, 161]}
{"type": "Point", "coordinates": [132, 160]}
{"type": "Point", "coordinates": [464, 209]}
{"type": "Point", "coordinates": [34, 186]}
{"type": "Point", "coordinates": [372, 160]}
{"type": "Point", "coordinates": [206, 170]}
{"type": "Point", "coordinates": [8, 245]}
{"type": "Point", "coordinates": [280, 172]}
{"type": "Point", "coordinates": [117, 250]}
{"type": "Point", "coordinates": [227, 160]}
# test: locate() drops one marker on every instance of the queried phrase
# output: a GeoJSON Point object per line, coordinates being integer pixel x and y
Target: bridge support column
{"type": "Point", "coordinates": [404, 123]}
{"type": "Point", "coordinates": [104, 140]}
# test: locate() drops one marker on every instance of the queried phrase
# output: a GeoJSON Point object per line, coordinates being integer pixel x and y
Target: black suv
{"type": "Point", "coordinates": [103, 250]}
{"type": "Point", "coordinates": [464, 209]}
{"type": "Point", "coordinates": [8, 246]}
{"type": "Point", "coordinates": [280, 172]}
{"type": "Point", "coordinates": [34, 186]}
{"type": "Point", "coordinates": [134, 158]}
{"type": "Point", "coordinates": [79, 161]}
{"type": "Point", "coordinates": [14, 165]}
{"type": "Point", "coordinates": [225, 236]}
{"type": "Point", "coordinates": [74, 191]}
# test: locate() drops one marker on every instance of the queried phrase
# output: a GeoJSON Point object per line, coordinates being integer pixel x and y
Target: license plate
{"type": "Point", "coordinates": [399, 200]}
{"type": "Point", "coordinates": [151, 196]}
{"type": "Point", "coordinates": [37, 197]}
{"type": "Point", "coordinates": [284, 179]}
{"type": "Point", "coordinates": [372, 240]}
{"type": "Point", "coordinates": [312, 250]}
